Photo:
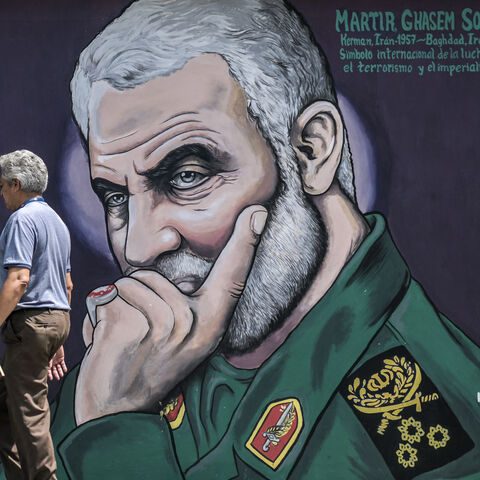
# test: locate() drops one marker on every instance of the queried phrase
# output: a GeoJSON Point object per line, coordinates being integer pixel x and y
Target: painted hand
{"type": "Point", "coordinates": [150, 335]}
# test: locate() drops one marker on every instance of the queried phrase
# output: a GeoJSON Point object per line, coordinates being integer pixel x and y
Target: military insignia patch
{"type": "Point", "coordinates": [405, 415]}
{"type": "Point", "coordinates": [174, 412]}
{"type": "Point", "coordinates": [276, 432]}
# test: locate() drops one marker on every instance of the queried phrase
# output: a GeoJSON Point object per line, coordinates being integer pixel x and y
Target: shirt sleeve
{"type": "Point", "coordinates": [19, 244]}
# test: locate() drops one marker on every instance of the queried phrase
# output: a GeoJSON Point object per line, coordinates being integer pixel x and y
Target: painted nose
{"type": "Point", "coordinates": [148, 236]}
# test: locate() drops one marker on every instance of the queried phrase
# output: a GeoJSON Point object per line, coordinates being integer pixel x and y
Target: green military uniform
{"type": "Point", "coordinates": [373, 384]}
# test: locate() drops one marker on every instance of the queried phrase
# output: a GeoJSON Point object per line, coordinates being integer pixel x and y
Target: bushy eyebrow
{"type": "Point", "coordinates": [100, 186]}
{"type": "Point", "coordinates": [217, 160]}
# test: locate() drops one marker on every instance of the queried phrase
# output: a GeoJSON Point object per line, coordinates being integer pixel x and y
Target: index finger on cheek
{"type": "Point", "coordinates": [226, 281]}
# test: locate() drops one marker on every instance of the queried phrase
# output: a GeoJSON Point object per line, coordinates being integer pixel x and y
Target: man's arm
{"type": "Point", "coordinates": [12, 290]}
{"type": "Point", "coordinates": [69, 284]}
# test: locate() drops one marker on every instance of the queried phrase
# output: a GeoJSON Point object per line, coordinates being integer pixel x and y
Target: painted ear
{"type": "Point", "coordinates": [317, 137]}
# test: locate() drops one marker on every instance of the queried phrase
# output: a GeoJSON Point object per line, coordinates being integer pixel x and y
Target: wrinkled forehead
{"type": "Point", "coordinates": [204, 84]}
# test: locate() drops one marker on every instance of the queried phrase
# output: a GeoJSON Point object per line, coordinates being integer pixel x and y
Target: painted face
{"type": "Point", "coordinates": [174, 162]}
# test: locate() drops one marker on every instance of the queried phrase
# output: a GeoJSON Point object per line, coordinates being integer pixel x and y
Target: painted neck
{"type": "Point", "coordinates": [346, 228]}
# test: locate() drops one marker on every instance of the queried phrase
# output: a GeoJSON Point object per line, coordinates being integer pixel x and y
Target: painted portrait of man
{"type": "Point", "coordinates": [262, 325]}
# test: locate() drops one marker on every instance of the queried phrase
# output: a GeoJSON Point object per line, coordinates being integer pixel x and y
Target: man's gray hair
{"type": "Point", "coordinates": [28, 168]}
{"type": "Point", "coordinates": [270, 51]}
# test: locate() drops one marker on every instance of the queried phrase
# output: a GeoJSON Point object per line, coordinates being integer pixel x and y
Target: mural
{"type": "Point", "coordinates": [237, 312]}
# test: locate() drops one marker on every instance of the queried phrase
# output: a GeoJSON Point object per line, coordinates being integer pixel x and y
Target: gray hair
{"type": "Point", "coordinates": [29, 169]}
{"type": "Point", "coordinates": [269, 49]}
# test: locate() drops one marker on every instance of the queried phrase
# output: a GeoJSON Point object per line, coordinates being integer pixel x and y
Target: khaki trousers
{"type": "Point", "coordinates": [31, 337]}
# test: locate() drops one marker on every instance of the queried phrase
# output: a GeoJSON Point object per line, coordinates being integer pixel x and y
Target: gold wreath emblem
{"type": "Point", "coordinates": [388, 389]}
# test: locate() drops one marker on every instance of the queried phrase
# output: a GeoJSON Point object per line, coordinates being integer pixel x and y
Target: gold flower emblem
{"type": "Point", "coordinates": [411, 430]}
{"type": "Point", "coordinates": [438, 437]}
{"type": "Point", "coordinates": [407, 455]}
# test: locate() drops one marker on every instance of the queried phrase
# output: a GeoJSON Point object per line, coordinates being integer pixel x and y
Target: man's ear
{"type": "Point", "coordinates": [317, 138]}
{"type": "Point", "coordinates": [16, 184]}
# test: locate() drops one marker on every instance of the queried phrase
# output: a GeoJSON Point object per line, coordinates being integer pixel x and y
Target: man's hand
{"type": "Point", "coordinates": [151, 335]}
{"type": "Point", "coordinates": [57, 367]}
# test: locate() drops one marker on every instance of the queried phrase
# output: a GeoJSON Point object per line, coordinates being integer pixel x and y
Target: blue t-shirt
{"type": "Point", "coordinates": [35, 237]}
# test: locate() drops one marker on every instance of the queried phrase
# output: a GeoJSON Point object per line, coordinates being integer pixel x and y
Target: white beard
{"type": "Point", "coordinates": [292, 246]}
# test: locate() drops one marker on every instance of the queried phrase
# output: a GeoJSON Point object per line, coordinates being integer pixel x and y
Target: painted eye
{"type": "Point", "coordinates": [187, 179]}
{"type": "Point", "coordinates": [115, 199]}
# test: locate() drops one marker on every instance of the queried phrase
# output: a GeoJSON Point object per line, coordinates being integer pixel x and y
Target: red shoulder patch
{"type": "Point", "coordinates": [276, 431]}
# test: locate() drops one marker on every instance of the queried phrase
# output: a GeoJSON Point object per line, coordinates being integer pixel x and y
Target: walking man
{"type": "Point", "coordinates": [34, 307]}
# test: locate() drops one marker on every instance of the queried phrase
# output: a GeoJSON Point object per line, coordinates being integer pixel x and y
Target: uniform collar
{"type": "Point", "coordinates": [37, 198]}
{"type": "Point", "coordinates": [325, 346]}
